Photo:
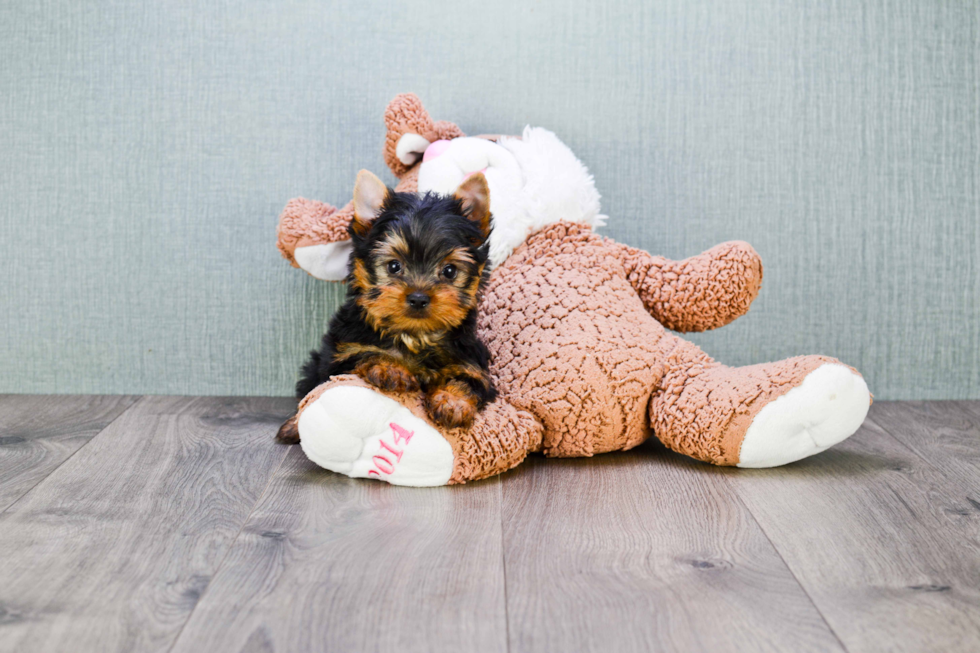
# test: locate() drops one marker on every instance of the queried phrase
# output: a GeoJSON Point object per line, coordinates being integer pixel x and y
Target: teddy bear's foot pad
{"type": "Point", "coordinates": [361, 433]}
{"type": "Point", "coordinates": [826, 408]}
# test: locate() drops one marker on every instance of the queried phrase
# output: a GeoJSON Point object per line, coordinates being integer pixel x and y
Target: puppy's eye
{"type": "Point", "coordinates": [449, 272]}
{"type": "Point", "coordinates": [394, 267]}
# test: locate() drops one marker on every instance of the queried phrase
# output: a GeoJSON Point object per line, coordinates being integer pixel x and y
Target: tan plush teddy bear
{"type": "Point", "coordinates": [576, 325]}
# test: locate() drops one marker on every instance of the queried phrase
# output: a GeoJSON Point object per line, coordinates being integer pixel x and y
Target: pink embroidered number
{"type": "Point", "coordinates": [401, 434]}
{"type": "Point", "coordinates": [388, 466]}
{"type": "Point", "coordinates": [398, 454]}
{"type": "Point", "coordinates": [382, 465]}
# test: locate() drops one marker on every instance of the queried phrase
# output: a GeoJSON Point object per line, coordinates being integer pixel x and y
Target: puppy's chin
{"type": "Point", "coordinates": [421, 322]}
{"type": "Point", "coordinates": [436, 319]}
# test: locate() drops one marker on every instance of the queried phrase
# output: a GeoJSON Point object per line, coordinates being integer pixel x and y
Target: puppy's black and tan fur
{"type": "Point", "coordinates": [409, 320]}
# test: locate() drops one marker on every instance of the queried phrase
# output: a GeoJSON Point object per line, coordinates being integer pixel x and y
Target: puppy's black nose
{"type": "Point", "coordinates": [418, 300]}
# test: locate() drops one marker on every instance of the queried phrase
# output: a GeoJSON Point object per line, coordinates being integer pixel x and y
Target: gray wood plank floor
{"type": "Point", "coordinates": [39, 433]}
{"type": "Point", "coordinates": [113, 549]}
{"type": "Point", "coordinates": [332, 563]}
{"type": "Point", "coordinates": [175, 524]}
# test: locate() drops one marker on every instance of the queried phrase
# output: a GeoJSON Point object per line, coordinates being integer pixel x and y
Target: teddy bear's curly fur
{"type": "Point", "coordinates": [577, 326]}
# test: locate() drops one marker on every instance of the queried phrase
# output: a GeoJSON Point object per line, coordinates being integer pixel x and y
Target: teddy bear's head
{"type": "Point", "coordinates": [410, 132]}
{"type": "Point", "coordinates": [534, 179]}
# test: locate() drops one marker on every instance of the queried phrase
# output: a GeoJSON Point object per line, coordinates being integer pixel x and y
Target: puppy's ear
{"type": "Point", "coordinates": [369, 196]}
{"type": "Point", "coordinates": [474, 195]}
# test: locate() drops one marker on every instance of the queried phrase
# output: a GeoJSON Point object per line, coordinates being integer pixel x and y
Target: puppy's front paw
{"type": "Point", "coordinates": [452, 405]}
{"type": "Point", "coordinates": [388, 376]}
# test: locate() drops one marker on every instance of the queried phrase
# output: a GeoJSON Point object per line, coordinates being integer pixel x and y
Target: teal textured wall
{"type": "Point", "coordinates": [146, 150]}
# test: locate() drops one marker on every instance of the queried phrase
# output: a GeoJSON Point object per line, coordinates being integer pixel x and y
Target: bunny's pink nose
{"type": "Point", "coordinates": [435, 149]}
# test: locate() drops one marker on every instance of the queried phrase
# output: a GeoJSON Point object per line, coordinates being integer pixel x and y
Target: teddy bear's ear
{"type": "Point", "coordinates": [474, 195]}
{"type": "Point", "coordinates": [369, 196]}
{"type": "Point", "coordinates": [410, 148]}
{"type": "Point", "coordinates": [410, 130]}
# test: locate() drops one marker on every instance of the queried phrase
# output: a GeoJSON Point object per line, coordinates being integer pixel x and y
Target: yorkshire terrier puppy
{"type": "Point", "coordinates": [409, 320]}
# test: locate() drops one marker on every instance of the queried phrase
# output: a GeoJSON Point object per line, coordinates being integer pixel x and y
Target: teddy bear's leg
{"type": "Point", "coordinates": [756, 416]}
{"type": "Point", "coordinates": [351, 427]}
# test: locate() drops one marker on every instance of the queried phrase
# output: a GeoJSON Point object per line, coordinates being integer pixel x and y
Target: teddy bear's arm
{"type": "Point", "coordinates": [702, 292]}
{"type": "Point", "coordinates": [313, 236]}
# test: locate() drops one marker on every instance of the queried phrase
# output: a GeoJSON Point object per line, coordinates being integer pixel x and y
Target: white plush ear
{"type": "Point", "coordinates": [369, 197]}
{"type": "Point", "coordinates": [327, 261]}
{"type": "Point", "coordinates": [410, 148]}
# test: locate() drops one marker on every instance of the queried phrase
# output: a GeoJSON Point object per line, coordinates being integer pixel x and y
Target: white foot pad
{"type": "Point", "coordinates": [363, 434]}
{"type": "Point", "coordinates": [826, 408]}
